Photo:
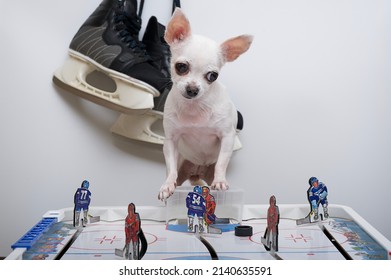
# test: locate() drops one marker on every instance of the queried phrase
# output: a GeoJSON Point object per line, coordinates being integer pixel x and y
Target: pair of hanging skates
{"type": "Point", "coordinates": [109, 65]}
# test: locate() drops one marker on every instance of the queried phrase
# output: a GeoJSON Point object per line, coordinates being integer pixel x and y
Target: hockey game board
{"type": "Point", "coordinates": [349, 240]}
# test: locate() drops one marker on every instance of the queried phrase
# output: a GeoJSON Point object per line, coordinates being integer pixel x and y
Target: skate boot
{"type": "Point", "coordinates": [148, 127]}
{"type": "Point", "coordinates": [107, 43]}
{"type": "Point", "coordinates": [157, 48]}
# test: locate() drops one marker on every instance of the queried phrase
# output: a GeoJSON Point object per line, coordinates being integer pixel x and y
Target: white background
{"type": "Point", "coordinates": [314, 90]}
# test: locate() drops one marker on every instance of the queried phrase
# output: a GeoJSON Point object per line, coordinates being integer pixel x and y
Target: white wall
{"type": "Point", "coordinates": [314, 90]}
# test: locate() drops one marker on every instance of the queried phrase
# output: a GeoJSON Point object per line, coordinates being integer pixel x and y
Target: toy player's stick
{"type": "Point", "coordinates": [269, 247]}
{"type": "Point", "coordinates": [264, 240]}
{"type": "Point", "coordinates": [307, 219]}
{"type": "Point", "coordinates": [144, 246]}
{"type": "Point", "coordinates": [119, 252]}
{"type": "Point", "coordinates": [94, 219]}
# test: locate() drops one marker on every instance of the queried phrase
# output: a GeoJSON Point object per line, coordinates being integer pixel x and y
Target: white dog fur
{"type": "Point", "coordinates": [199, 118]}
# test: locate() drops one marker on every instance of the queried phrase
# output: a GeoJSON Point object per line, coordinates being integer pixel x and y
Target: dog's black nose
{"type": "Point", "coordinates": [192, 91]}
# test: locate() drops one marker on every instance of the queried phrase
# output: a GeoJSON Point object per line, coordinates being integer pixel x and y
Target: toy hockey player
{"type": "Point", "coordinates": [317, 194]}
{"type": "Point", "coordinates": [210, 202]}
{"type": "Point", "coordinates": [196, 206]}
{"type": "Point", "coordinates": [134, 235]}
{"type": "Point", "coordinates": [132, 230]}
{"type": "Point", "coordinates": [273, 218]}
{"type": "Point", "coordinates": [82, 199]}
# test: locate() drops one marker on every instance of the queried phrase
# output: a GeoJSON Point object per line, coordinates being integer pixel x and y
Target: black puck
{"type": "Point", "coordinates": [243, 230]}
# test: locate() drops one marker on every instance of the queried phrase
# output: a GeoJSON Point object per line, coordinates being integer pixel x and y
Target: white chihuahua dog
{"type": "Point", "coordinates": [199, 118]}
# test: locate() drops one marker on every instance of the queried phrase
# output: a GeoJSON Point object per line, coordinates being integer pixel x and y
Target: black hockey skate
{"type": "Point", "coordinates": [156, 46]}
{"type": "Point", "coordinates": [107, 43]}
{"type": "Point", "coordinates": [148, 127]}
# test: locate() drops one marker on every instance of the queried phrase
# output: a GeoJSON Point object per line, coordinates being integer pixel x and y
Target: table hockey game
{"type": "Point", "coordinates": [344, 235]}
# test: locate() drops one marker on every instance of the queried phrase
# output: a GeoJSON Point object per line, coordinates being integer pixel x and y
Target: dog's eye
{"type": "Point", "coordinates": [211, 76]}
{"type": "Point", "coordinates": [182, 68]}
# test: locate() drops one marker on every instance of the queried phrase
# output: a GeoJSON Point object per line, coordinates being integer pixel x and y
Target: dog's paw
{"type": "Point", "coordinates": [220, 185]}
{"type": "Point", "coordinates": [166, 191]}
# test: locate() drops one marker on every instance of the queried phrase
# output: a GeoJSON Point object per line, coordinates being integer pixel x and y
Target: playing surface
{"type": "Point", "coordinates": [306, 242]}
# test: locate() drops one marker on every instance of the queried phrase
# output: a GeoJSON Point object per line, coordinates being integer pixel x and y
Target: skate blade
{"type": "Point", "coordinates": [147, 127]}
{"type": "Point", "coordinates": [107, 88]}
{"type": "Point", "coordinates": [309, 219]}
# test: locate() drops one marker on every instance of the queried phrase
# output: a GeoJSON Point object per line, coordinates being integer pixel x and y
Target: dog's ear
{"type": "Point", "coordinates": [234, 47]}
{"type": "Point", "coordinates": [178, 29]}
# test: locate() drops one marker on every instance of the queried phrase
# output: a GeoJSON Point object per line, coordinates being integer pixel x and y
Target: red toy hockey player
{"type": "Point", "coordinates": [134, 234]}
{"type": "Point", "coordinates": [209, 215]}
{"type": "Point", "coordinates": [132, 228]}
{"type": "Point", "coordinates": [273, 218]}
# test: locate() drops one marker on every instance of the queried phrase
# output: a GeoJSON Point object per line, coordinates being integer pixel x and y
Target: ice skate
{"type": "Point", "coordinates": [148, 127]}
{"type": "Point", "coordinates": [107, 45]}
{"type": "Point", "coordinates": [157, 49]}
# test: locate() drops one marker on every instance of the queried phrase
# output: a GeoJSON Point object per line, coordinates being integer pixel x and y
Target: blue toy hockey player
{"type": "Point", "coordinates": [196, 206]}
{"type": "Point", "coordinates": [317, 194]}
{"type": "Point", "coordinates": [82, 200]}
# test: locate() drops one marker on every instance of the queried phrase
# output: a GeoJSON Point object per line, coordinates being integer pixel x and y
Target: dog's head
{"type": "Point", "coordinates": [195, 60]}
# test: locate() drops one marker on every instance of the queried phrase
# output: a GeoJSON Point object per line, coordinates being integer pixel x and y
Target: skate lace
{"type": "Point", "coordinates": [128, 29]}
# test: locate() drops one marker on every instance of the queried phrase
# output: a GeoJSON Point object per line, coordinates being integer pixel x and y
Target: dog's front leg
{"type": "Point", "coordinates": [170, 151]}
{"type": "Point", "coordinates": [220, 181]}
